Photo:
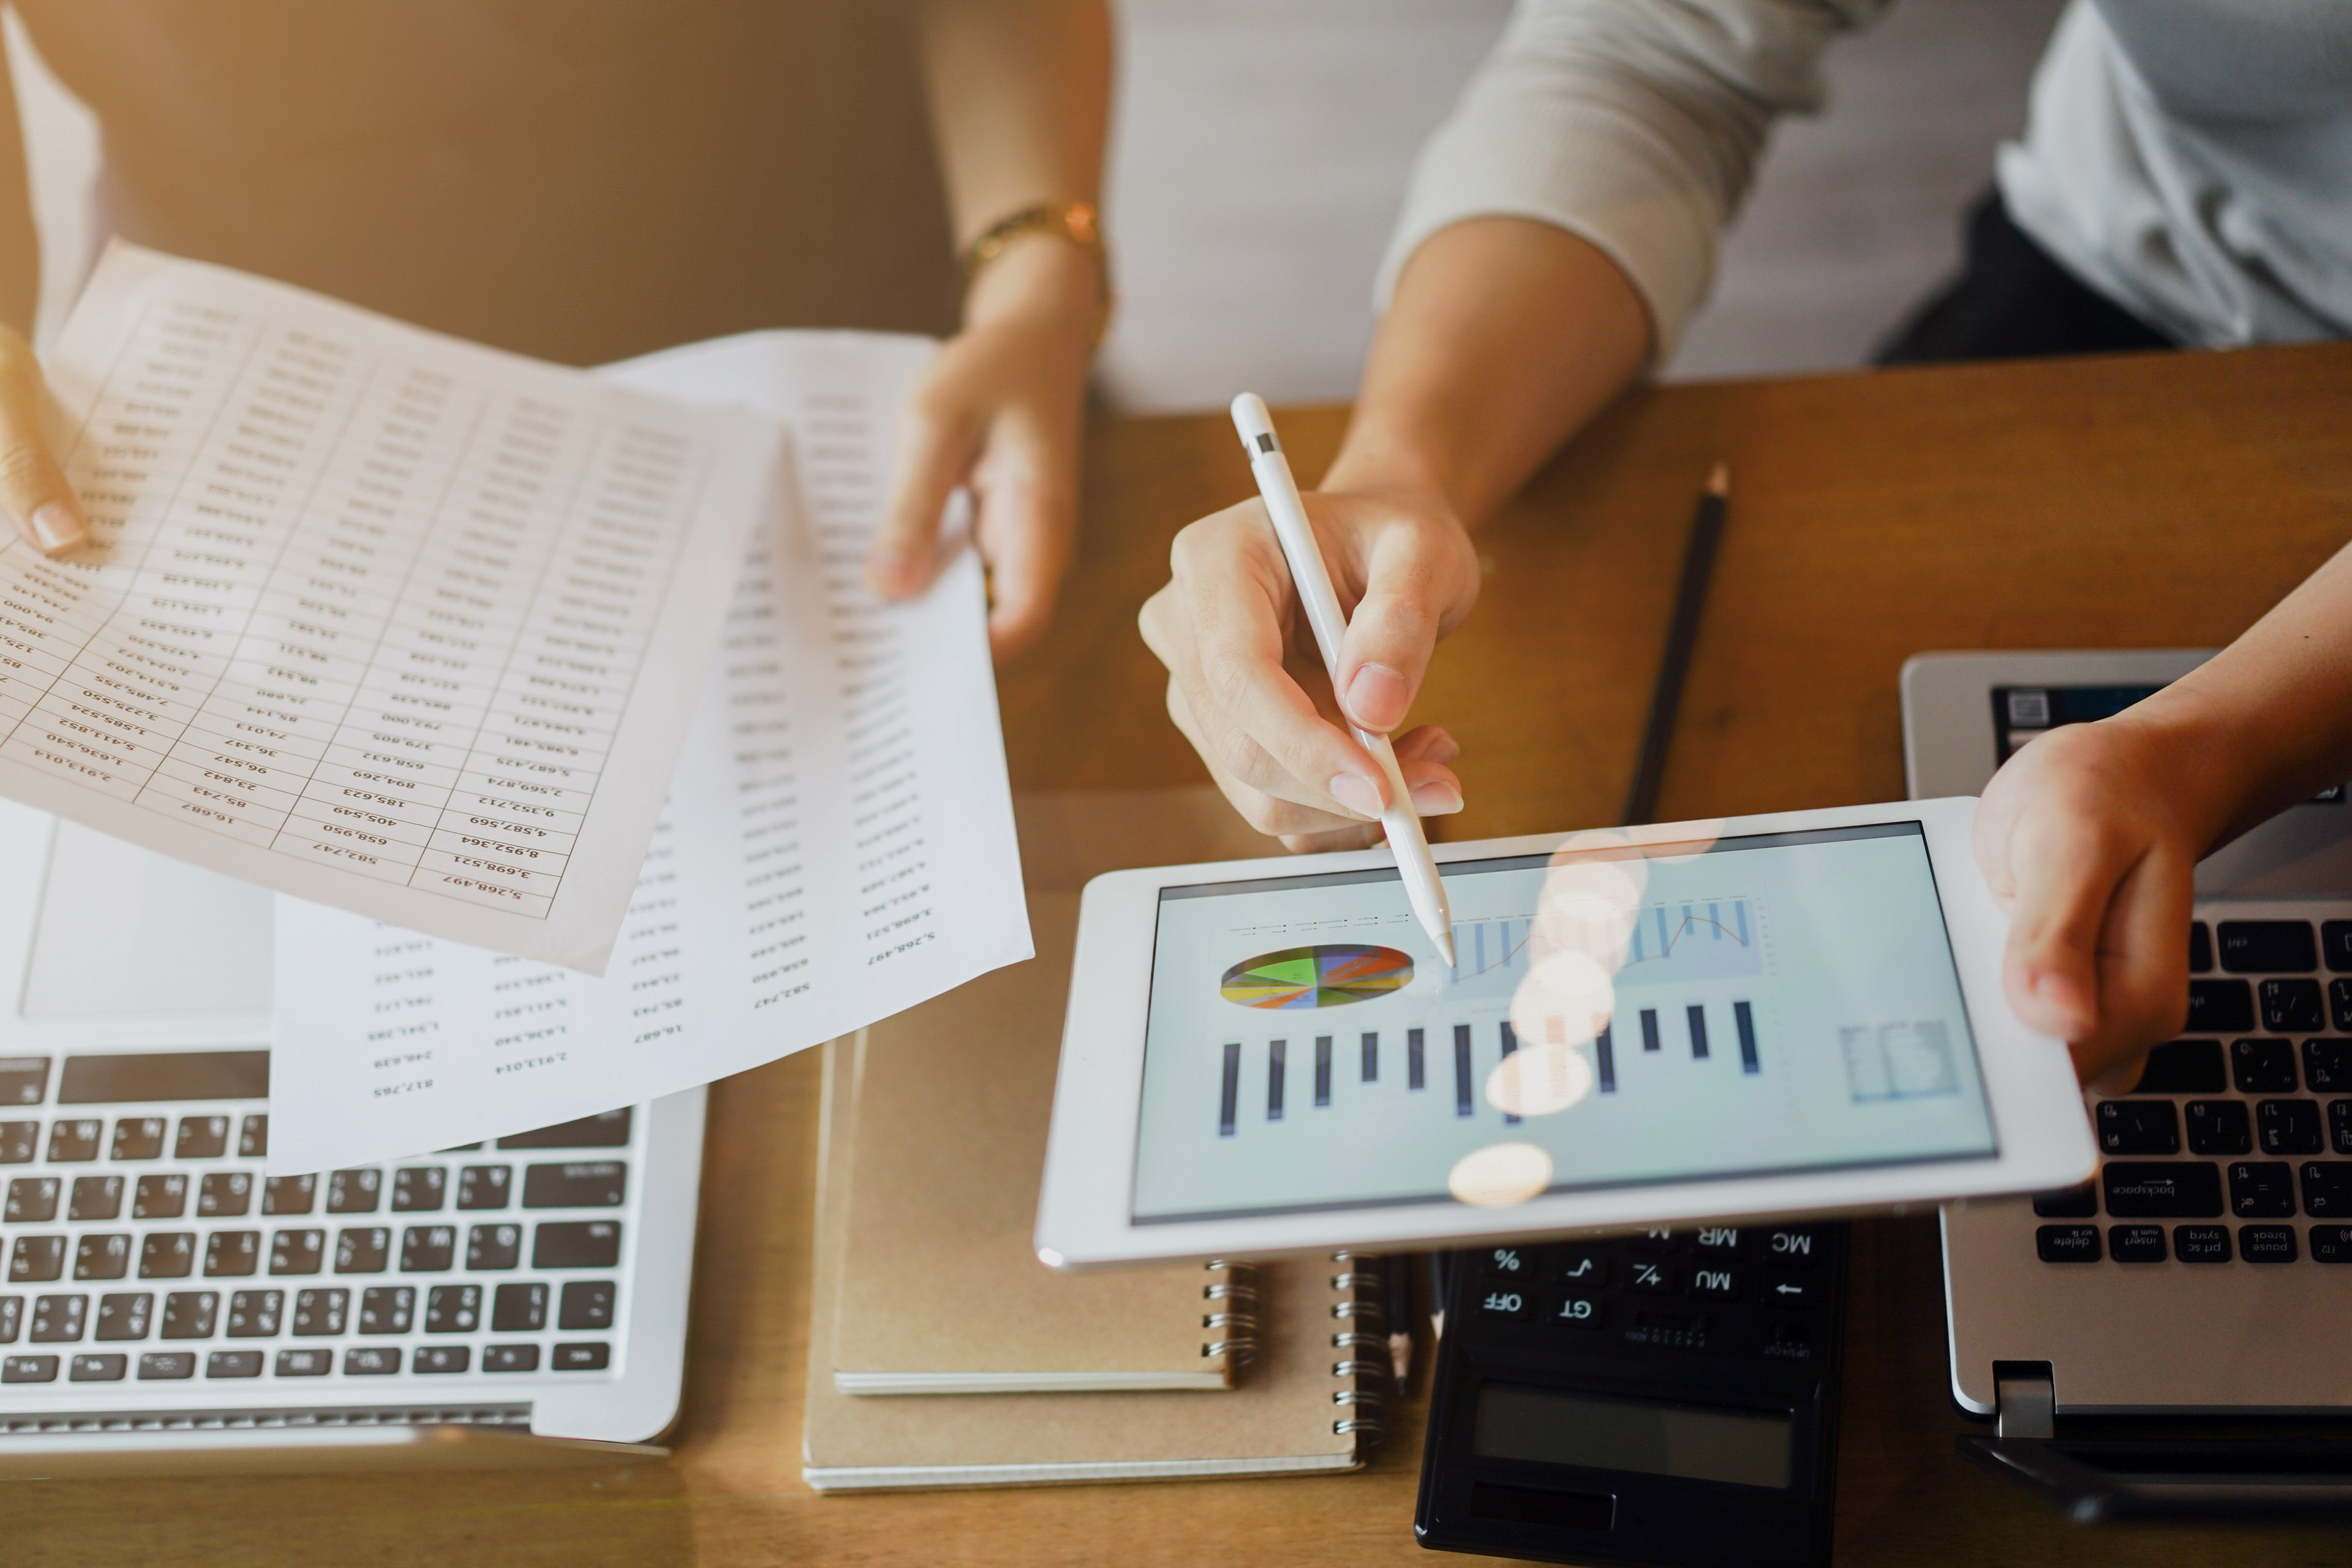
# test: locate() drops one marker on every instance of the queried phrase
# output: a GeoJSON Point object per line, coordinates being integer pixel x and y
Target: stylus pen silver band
{"type": "Point", "coordinates": [1312, 577]}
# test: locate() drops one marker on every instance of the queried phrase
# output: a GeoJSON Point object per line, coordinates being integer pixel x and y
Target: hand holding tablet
{"type": "Point", "coordinates": [1798, 1013]}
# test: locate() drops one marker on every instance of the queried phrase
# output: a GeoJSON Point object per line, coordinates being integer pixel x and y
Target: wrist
{"type": "Point", "coordinates": [2207, 770]}
{"type": "Point", "coordinates": [1042, 279]}
{"type": "Point", "coordinates": [1373, 461]}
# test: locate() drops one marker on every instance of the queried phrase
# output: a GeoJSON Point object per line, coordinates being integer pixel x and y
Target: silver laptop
{"type": "Point", "coordinates": [2207, 1269]}
{"type": "Point", "coordinates": [167, 1306]}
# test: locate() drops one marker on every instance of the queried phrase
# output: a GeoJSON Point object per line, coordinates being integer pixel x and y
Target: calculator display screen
{"type": "Point", "coordinates": [1616, 1016]}
{"type": "Point", "coordinates": [1548, 1427]}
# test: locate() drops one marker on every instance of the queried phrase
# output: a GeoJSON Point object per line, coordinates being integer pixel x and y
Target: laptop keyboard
{"type": "Point", "coordinates": [144, 1245]}
{"type": "Point", "coordinates": [2235, 1146]}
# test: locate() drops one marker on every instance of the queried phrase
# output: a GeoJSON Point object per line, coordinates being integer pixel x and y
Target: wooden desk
{"type": "Point", "coordinates": [2141, 501]}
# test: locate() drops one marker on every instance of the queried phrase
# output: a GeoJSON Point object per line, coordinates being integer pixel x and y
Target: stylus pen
{"type": "Point", "coordinates": [1312, 578]}
{"type": "Point", "coordinates": [1682, 634]}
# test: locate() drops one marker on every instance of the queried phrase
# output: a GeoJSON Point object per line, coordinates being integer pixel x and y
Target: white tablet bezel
{"type": "Point", "coordinates": [1083, 1213]}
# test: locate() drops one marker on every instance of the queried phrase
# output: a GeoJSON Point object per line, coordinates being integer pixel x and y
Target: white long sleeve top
{"type": "Point", "coordinates": [2189, 159]}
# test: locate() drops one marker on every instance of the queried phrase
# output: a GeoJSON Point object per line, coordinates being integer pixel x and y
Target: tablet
{"type": "Point", "coordinates": [1764, 1015]}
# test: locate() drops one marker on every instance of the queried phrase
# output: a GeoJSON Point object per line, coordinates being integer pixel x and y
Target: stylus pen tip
{"type": "Point", "coordinates": [1719, 479]}
{"type": "Point", "coordinates": [1445, 948]}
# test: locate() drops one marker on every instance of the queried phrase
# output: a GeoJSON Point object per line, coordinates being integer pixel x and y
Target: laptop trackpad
{"type": "Point", "coordinates": [124, 931]}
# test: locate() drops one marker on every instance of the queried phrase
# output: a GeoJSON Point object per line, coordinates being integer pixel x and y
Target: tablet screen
{"type": "Point", "coordinates": [1766, 1003]}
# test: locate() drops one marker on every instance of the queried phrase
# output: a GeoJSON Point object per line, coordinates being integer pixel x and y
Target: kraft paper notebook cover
{"type": "Point", "coordinates": [1305, 1403]}
{"type": "Point", "coordinates": [952, 1107]}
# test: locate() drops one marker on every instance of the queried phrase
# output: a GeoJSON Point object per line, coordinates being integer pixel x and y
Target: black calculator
{"type": "Point", "coordinates": [1666, 1398]}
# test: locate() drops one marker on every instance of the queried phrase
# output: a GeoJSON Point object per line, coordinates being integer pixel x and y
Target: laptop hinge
{"type": "Point", "coordinates": [2024, 1400]}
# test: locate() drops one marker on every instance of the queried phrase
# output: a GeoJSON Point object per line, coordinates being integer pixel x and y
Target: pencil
{"type": "Point", "coordinates": [1682, 632]}
{"type": "Point", "coordinates": [1398, 1289]}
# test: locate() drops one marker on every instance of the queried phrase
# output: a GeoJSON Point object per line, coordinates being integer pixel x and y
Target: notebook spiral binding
{"type": "Point", "coordinates": [1236, 1331]}
{"type": "Point", "coordinates": [1359, 1407]}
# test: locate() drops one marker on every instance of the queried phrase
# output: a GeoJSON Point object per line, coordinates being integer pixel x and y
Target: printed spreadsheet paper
{"type": "Point", "coordinates": [838, 845]}
{"type": "Point", "coordinates": [386, 620]}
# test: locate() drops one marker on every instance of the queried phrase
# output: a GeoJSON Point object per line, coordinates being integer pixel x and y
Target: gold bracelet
{"type": "Point", "coordinates": [1077, 222]}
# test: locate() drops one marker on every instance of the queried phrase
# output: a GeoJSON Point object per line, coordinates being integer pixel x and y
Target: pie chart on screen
{"type": "Point", "coordinates": [1329, 976]}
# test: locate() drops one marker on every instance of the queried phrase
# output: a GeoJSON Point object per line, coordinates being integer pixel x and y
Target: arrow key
{"type": "Point", "coordinates": [1792, 1290]}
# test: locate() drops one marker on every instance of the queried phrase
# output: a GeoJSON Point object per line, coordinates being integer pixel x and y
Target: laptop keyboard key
{"type": "Point", "coordinates": [596, 1357]}
{"type": "Point", "coordinates": [596, 1183]}
{"type": "Point", "coordinates": [387, 1309]}
{"type": "Point", "coordinates": [2200, 948]}
{"type": "Point", "coordinates": [296, 1251]}
{"type": "Point", "coordinates": [139, 1138]}
{"type": "Point", "coordinates": [232, 1254]}
{"type": "Point", "coordinates": [2221, 1007]}
{"type": "Point", "coordinates": [418, 1189]}
{"type": "Point", "coordinates": [2067, 1243]}
{"type": "Point", "coordinates": [224, 1195]}
{"type": "Point", "coordinates": [162, 1195]}
{"type": "Point", "coordinates": [2268, 947]}
{"type": "Point", "coordinates": [2068, 1202]}
{"type": "Point", "coordinates": [363, 1249]}
{"type": "Point", "coordinates": [29, 1369]}
{"type": "Point", "coordinates": [2184, 1067]}
{"type": "Point", "coordinates": [168, 1365]}
{"type": "Point", "coordinates": [233, 1364]}
{"type": "Point", "coordinates": [2327, 1066]}
{"type": "Point", "coordinates": [102, 1257]}
{"type": "Point", "coordinates": [321, 1312]}
{"type": "Point", "coordinates": [588, 1303]}
{"type": "Point", "coordinates": [73, 1141]}
{"type": "Point", "coordinates": [518, 1309]}
{"type": "Point", "coordinates": [253, 1138]}
{"type": "Point", "coordinates": [2339, 1007]}
{"type": "Point", "coordinates": [355, 1192]}
{"type": "Point", "coordinates": [24, 1079]}
{"type": "Point", "coordinates": [36, 1258]}
{"type": "Point", "coordinates": [2336, 943]}
{"type": "Point", "coordinates": [2331, 1244]}
{"type": "Point", "coordinates": [371, 1361]}
{"type": "Point", "coordinates": [33, 1200]}
{"type": "Point", "coordinates": [2266, 1243]}
{"type": "Point", "coordinates": [2167, 1189]}
{"type": "Point", "coordinates": [2263, 1066]}
{"type": "Point", "coordinates": [167, 1254]}
{"type": "Point", "coordinates": [201, 1138]}
{"type": "Point", "coordinates": [441, 1357]}
{"type": "Point", "coordinates": [2293, 1006]}
{"type": "Point", "coordinates": [18, 1139]}
{"type": "Point", "coordinates": [428, 1248]}
{"type": "Point", "coordinates": [2262, 1190]}
{"type": "Point", "coordinates": [99, 1368]}
{"type": "Point", "coordinates": [2289, 1126]}
{"type": "Point", "coordinates": [122, 1315]}
{"type": "Point", "coordinates": [95, 1198]}
{"type": "Point", "coordinates": [58, 1319]}
{"type": "Point", "coordinates": [578, 1244]}
{"type": "Point", "coordinates": [305, 1362]}
{"type": "Point", "coordinates": [457, 1309]}
{"type": "Point", "coordinates": [2327, 1188]}
{"type": "Point", "coordinates": [189, 1314]}
{"type": "Point", "coordinates": [510, 1358]}
{"type": "Point", "coordinates": [492, 1246]}
{"type": "Point", "coordinates": [12, 1318]}
{"type": "Point", "coordinates": [2139, 1127]}
{"type": "Point", "coordinates": [2219, 1127]}
{"type": "Point", "coordinates": [288, 1194]}
{"type": "Point", "coordinates": [484, 1186]}
{"type": "Point", "coordinates": [255, 1315]}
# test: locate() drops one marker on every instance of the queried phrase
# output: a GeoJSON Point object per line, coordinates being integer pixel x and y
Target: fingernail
{"type": "Point", "coordinates": [55, 526]}
{"type": "Point", "coordinates": [1376, 696]}
{"type": "Point", "coordinates": [1356, 793]}
{"type": "Point", "coordinates": [1434, 799]}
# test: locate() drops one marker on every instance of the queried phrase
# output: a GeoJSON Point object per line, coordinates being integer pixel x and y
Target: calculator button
{"type": "Point", "coordinates": [167, 1365]}
{"type": "Point", "coordinates": [1651, 1276]}
{"type": "Point", "coordinates": [36, 1258]}
{"type": "Point", "coordinates": [1681, 1331]}
{"type": "Point", "coordinates": [288, 1194]}
{"type": "Point", "coordinates": [318, 1312]}
{"type": "Point", "coordinates": [2331, 1244]}
{"type": "Point", "coordinates": [73, 1142]}
{"type": "Point", "coordinates": [417, 1189]}
{"type": "Point", "coordinates": [95, 1198]}
{"type": "Point", "coordinates": [510, 1358]}
{"type": "Point", "coordinates": [167, 1254]}
{"type": "Point", "coordinates": [2139, 1127]}
{"type": "Point", "coordinates": [594, 1184]}
{"type": "Point", "coordinates": [160, 1195]}
{"type": "Point", "coordinates": [607, 1130]}
{"type": "Point", "coordinates": [1798, 1248]}
{"type": "Point", "coordinates": [255, 1315]}
{"type": "Point", "coordinates": [1715, 1241]}
{"type": "Point", "coordinates": [493, 1247]}
{"type": "Point", "coordinates": [29, 1369]}
{"type": "Point", "coordinates": [592, 1357]}
{"type": "Point", "coordinates": [2220, 1007]}
{"type": "Point", "coordinates": [483, 1187]}
{"type": "Point", "coordinates": [102, 1257]}
{"type": "Point", "coordinates": [24, 1079]}
{"type": "Point", "coordinates": [2262, 1190]}
{"type": "Point", "coordinates": [17, 1142]}
{"type": "Point", "coordinates": [1657, 1238]}
{"type": "Point", "coordinates": [2266, 1243]}
{"type": "Point", "coordinates": [442, 1358]}
{"type": "Point", "coordinates": [189, 1314]}
{"type": "Point", "coordinates": [518, 1309]}
{"type": "Point", "coordinates": [2067, 1243]}
{"type": "Point", "coordinates": [1503, 1301]}
{"type": "Point", "coordinates": [123, 1315]}
{"type": "Point", "coordinates": [33, 1200]}
{"type": "Point", "coordinates": [253, 1138]}
{"type": "Point", "coordinates": [2161, 1189]}
{"type": "Point", "coordinates": [428, 1248]}
{"type": "Point", "coordinates": [2135, 1243]}
{"type": "Point", "coordinates": [233, 1364]}
{"type": "Point", "coordinates": [296, 1251]}
{"type": "Point", "coordinates": [305, 1364]}
{"type": "Point", "coordinates": [2184, 1067]}
{"type": "Point", "coordinates": [586, 1304]}
{"type": "Point", "coordinates": [354, 1192]}
{"type": "Point", "coordinates": [57, 1318]}
{"type": "Point", "coordinates": [2267, 947]}
{"type": "Point", "coordinates": [2288, 1126]}
{"type": "Point", "coordinates": [363, 1250]}
{"type": "Point", "coordinates": [232, 1254]}
{"type": "Point", "coordinates": [2219, 1127]}
{"type": "Point", "coordinates": [457, 1309]}
{"type": "Point", "coordinates": [201, 1138]}
{"type": "Point", "coordinates": [2292, 1006]}
{"type": "Point", "coordinates": [137, 1138]}
{"type": "Point", "coordinates": [371, 1361]}
{"type": "Point", "coordinates": [1496, 1262]}
{"type": "Point", "coordinates": [2200, 948]}
{"type": "Point", "coordinates": [576, 1244]}
{"type": "Point", "coordinates": [1715, 1281]}
{"type": "Point", "coordinates": [1792, 1290]}
{"type": "Point", "coordinates": [1585, 1266]}
{"type": "Point", "coordinates": [99, 1368]}
{"type": "Point", "coordinates": [2263, 1066]}
{"type": "Point", "coordinates": [2327, 1188]}
{"type": "Point", "coordinates": [1575, 1309]}
{"type": "Point", "coordinates": [387, 1309]}
{"type": "Point", "coordinates": [2327, 1066]}
{"type": "Point", "coordinates": [2202, 1241]}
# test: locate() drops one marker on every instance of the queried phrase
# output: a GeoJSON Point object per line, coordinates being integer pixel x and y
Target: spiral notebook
{"type": "Point", "coordinates": [1307, 1400]}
